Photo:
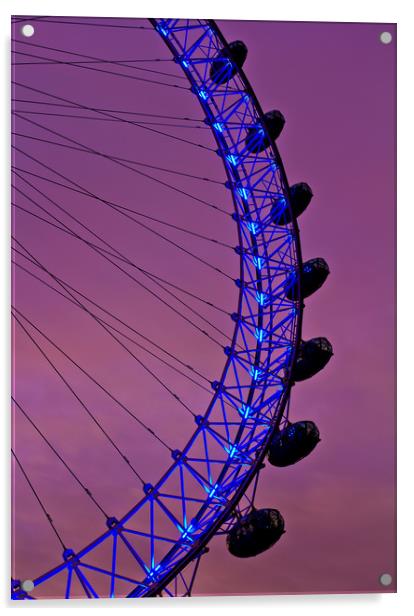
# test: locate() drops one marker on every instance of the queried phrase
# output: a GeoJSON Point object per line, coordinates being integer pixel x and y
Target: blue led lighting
{"type": "Point", "coordinates": [245, 410]}
{"type": "Point", "coordinates": [152, 573]}
{"type": "Point", "coordinates": [213, 490]}
{"type": "Point", "coordinates": [258, 262]}
{"type": "Point", "coordinates": [243, 192]}
{"type": "Point", "coordinates": [260, 334]}
{"type": "Point", "coordinates": [218, 127]}
{"type": "Point", "coordinates": [232, 451]}
{"type": "Point", "coordinates": [256, 373]}
{"type": "Point", "coordinates": [246, 397]}
{"type": "Point", "coordinates": [261, 298]}
{"type": "Point", "coordinates": [186, 536]}
{"type": "Point", "coordinates": [232, 159]}
{"type": "Point", "coordinates": [253, 227]}
{"type": "Point", "coordinates": [162, 30]}
{"type": "Point", "coordinates": [203, 95]}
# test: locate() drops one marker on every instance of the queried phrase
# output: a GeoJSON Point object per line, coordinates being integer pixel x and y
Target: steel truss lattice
{"type": "Point", "coordinates": [171, 525]}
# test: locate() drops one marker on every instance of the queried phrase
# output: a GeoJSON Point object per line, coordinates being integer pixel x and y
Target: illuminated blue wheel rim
{"type": "Point", "coordinates": [250, 399]}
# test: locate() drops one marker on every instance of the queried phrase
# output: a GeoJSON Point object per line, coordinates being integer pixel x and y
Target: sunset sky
{"type": "Point", "coordinates": [335, 84]}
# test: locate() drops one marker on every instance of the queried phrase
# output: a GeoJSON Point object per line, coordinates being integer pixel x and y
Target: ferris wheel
{"type": "Point", "coordinates": [208, 486]}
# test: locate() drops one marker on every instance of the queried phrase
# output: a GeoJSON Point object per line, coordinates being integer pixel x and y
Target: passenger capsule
{"type": "Point", "coordinates": [257, 140]}
{"type": "Point", "coordinates": [255, 532]}
{"type": "Point", "coordinates": [300, 197]}
{"type": "Point", "coordinates": [293, 443]}
{"type": "Point", "coordinates": [228, 61]}
{"type": "Point", "coordinates": [314, 273]}
{"type": "Point", "coordinates": [313, 355]}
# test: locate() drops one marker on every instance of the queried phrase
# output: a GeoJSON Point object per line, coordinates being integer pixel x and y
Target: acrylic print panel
{"type": "Point", "coordinates": [203, 399]}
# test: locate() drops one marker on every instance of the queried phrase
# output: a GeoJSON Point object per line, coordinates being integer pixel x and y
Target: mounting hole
{"type": "Point", "coordinates": [385, 579]}
{"type": "Point", "coordinates": [386, 38]}
{"type": "Point", "coordinates": [27, 30]}
{"type": "Point", "coordinates": [28, 585]}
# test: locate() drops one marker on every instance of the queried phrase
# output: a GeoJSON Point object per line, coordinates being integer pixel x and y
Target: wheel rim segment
{"type": "Point", "coordinates": [250, 400]}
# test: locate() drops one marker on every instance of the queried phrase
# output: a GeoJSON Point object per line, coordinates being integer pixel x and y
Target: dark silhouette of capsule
{"type": "Point", "coordinates": [255, 532]}
{"type": "Point", "coordinates": [228, 61]}
{"type": "Point", "coordinates": [293, 443]}
{"type": "Point", "coordinates": [313, 355]}
{"type": "Point", "coordinates": [300, 197]}
{"type": "Point", "coordinates": [257, 139]}
{"type": "Point", "coordinates": [314, 273]}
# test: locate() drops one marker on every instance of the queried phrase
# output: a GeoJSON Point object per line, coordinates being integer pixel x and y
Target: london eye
{"type": "Point", "coordinates": [158, 300]}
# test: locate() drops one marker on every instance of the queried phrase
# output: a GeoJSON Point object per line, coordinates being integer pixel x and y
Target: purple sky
{"type": "Point", "coordinates": [335, 84]}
